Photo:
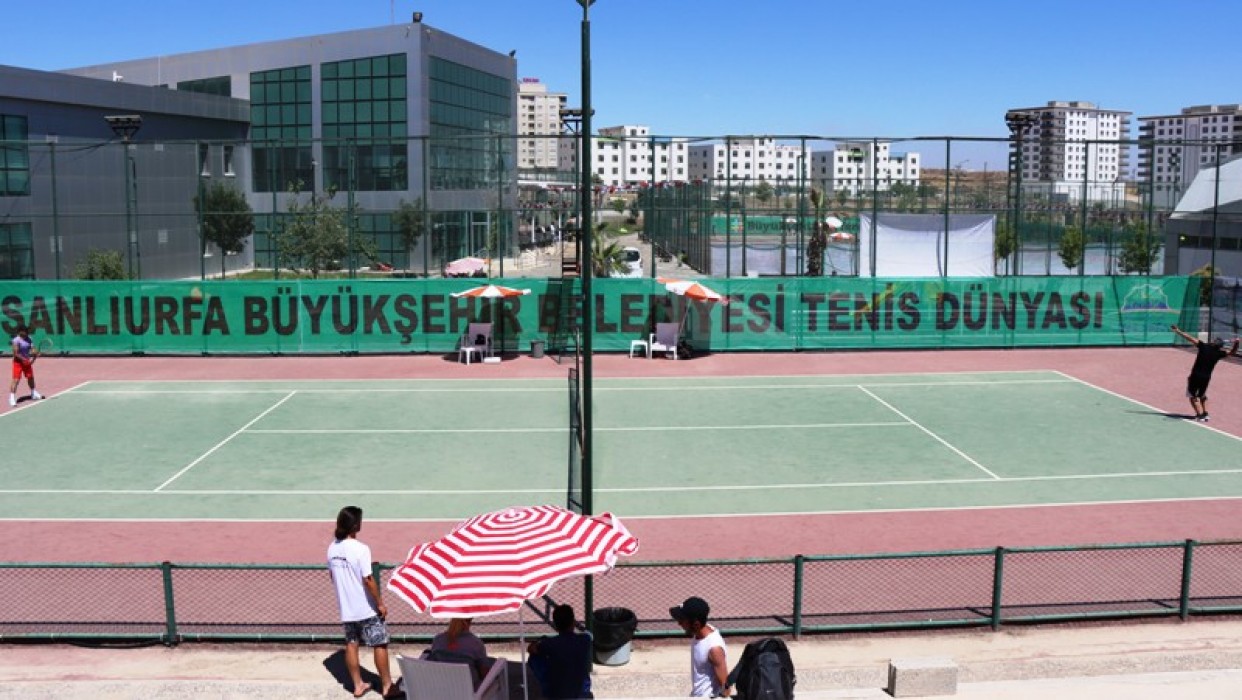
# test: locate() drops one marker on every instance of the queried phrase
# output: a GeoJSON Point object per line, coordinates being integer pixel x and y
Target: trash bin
{"type": "Point", "coordinates": [536, 349]}
{"type": "Point", "coordinates": [613, 634]}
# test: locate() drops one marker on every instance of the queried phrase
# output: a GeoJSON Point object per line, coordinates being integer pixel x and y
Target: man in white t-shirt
{"type": "Point", "coordinates": [362, 611]}
{"type": "Point", "coordinates": [709, 662]}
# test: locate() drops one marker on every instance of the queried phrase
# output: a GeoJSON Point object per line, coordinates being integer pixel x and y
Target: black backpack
{"type": "Point", "coordinates": [765, 672]}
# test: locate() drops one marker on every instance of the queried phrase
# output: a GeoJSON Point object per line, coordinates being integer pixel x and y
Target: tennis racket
{"type": "Point", "coordinates": [44, 345]}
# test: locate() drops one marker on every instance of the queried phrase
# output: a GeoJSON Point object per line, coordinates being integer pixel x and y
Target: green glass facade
{"type": "Point", "coordinates": [14, 156]}
{"type": "Point", "coordinates": [280, 114]}
{"type": "Point", "coordinates": [364, 114]}
{"type": "Point", "coordinates": [468, 102]}
{"type": "Point", "coordinates": [16, 252]}
{"type": "Point", "coordinates": [222, 86]}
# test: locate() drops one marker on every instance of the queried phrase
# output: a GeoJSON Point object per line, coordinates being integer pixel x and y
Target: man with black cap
{"type": "Point", "coordinates": [709, 663]}
{"type": "Point", "coordinates": [1201, 372]}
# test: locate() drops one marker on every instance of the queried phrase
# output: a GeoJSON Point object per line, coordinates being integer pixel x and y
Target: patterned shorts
{"type": "Point", "coordinates": [371, 632]}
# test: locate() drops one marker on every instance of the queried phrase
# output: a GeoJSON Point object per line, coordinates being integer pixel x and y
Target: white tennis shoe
{"type": "Point", "coordinates": [35, 395]}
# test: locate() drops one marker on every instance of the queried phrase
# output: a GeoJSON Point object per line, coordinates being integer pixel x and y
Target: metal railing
{"type": "Point", "coordinates": [171, 603]}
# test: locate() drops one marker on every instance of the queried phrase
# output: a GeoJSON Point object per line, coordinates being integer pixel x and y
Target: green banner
{"type": "Point", "coordinates": [398, 316]}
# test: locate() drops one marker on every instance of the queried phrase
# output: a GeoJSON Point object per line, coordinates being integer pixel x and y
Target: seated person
{"type": "Point", "coordinates": [458, 643]}
{"type": "Point", "coordinates": [562, 663]}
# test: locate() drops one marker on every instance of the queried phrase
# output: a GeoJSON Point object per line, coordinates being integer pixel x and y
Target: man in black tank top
{"type": "Point", "coordinates": [1201, 373]}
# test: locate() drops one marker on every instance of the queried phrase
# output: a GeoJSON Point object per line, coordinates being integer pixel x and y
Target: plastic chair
{"type": "Point", "coordinates": [436, 680]}
{"type": "Point", "coordinates": [478, 339]}
{"type": "Point", "coordinates": [666, 338]}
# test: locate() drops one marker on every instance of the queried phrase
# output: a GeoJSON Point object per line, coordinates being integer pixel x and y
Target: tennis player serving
{"type": "Point", "coordinates": [1201, 373]}
{"type": "Point", "coordinates": [24, 355]}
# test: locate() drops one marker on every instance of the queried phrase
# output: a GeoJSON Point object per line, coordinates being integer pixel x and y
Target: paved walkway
{"type": "Point", "coordinates": [1162, 660]}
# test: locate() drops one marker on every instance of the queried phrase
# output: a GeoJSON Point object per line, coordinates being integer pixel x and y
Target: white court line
{"type": "Point", "coordinates": [220, 444]}
{"type": "Point", "coordinates": [280, 390]}
{"type": "Point", "coordinates": [682, 516]}
{"type": "Point", "coordinates": [936, 437]}
{"type": "Point", "coordinates": [876, 511]}
{"type": "Point", "coordinates": [561, 429]}
{"type": "Point", "coordinates": [651, 489]}
{"type": "Point", "coordinates": [503, 390]}
{"type": "Point", "coordinates": [1136, 402]}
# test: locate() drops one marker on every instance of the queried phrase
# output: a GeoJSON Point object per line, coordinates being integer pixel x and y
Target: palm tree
{"type": "Point", "coordinates": [607, 255]}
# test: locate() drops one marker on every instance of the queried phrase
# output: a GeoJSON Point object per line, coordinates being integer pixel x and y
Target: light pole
{"type": "Point", "coordinates": [125, 126]}
{"type": "Point", "coordinates": [1019, 124]}
{"type": "Point", "coordinates": [588, 304]}
{"type": "Point", "coordinates": [1175, 172]}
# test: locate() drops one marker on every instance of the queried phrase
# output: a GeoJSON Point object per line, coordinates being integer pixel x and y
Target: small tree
{"type": "Point", "coordinates": [227, 219]}
{"type": "Point", "coordinates": [1004, 244]}
{"type": "Point", "coordinates": [101, 265]}
{"type": "Point", "coordinates": [1138, 250]}
{"type": "Point", "coordinates": [410, 220]}
{"type": "Point", "coordinates": [316, 237]}
{"type": "Point", "coordinates": [1071, 247]}
{"type": "Point", "coordinates": [617, 204]}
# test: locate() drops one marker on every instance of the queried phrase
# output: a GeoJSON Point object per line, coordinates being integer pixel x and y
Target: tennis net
{"type": "Point", "coordinates": [573, 497]}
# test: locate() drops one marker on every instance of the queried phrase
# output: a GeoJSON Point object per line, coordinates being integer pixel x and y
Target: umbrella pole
{"type": "Point", "coordinates": [522, 652]}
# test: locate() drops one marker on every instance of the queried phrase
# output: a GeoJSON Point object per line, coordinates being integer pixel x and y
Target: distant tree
{"type": "Point", "coordinates": [764, 192]}
{"type": "Point", "coordinates": [101, 265]}
{"type": "Point", "coordinates": [316, 236]}
{"type": "Point", "coordinates": [1004, 244]}
{"type": "Point", "coordinates": [843, 197]}
{"type": "Point", "coordinates": [410, 220]}
{"type": "Point", "coordinates": [617, 204]}
{"type": "Point", "coordinates": [817, 242]}
{"type": "Point", "coordinates": [227, 219]}
{"type": "Point", "coordinates": [1139, 249]}
{"type": "Point", "coordinates": [1071, 247]}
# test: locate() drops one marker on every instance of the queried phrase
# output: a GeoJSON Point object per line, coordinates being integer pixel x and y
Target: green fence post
{"type": "Point", "coordinates": [799, 562]}
{"type": "Point", "coordinates": [170, 610]}
{"type": "Point", "coordinates": [1188, 552]}
{"type": "Point", "coordinates": [998, 575]}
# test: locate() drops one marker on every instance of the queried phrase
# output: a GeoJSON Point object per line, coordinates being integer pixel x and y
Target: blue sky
{"type": "Point", "coordinates": [819, 67]}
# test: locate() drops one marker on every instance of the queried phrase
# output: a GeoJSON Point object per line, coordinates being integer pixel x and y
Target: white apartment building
{"type": "Point", "coordinates": [1169, 166]}
{"type": "Point", "coordinates": [539, 126]}
{"type": "Point", "coordinates": [628, 156]}
{"type": "Point", "coordinates": [1072, 149]}
{"type": "Point", "coordinates": [863, 166]}
{"type": "Point", "coordinates": [749, 160]}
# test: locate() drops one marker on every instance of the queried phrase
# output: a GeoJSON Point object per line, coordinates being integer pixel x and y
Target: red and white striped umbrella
{"type": "Point", "coordinates": [493, 563]}
{"type": "Point", "coordinates": [492, 291]}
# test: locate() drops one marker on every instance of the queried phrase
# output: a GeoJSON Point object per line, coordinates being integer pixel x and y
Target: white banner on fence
{"type": "Point", "coordinates": [913, 245]}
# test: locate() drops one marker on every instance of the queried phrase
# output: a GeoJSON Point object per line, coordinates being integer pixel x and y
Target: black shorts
{"type": "Point", "coordinates": [1196, 386]}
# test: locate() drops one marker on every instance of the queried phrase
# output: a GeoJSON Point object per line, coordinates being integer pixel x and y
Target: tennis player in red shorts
{"type": "Point", "coordinates": [24, 354]}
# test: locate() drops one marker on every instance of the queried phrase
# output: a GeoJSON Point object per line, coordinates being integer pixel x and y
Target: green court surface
{"type": "Point", "coordinates": [446, 449]}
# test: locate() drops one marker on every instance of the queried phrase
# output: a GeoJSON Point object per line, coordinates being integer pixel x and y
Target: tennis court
{"type": "Point", "coordinates": [670, 446]}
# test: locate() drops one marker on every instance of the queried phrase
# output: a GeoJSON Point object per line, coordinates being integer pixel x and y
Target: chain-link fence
{"type": "Point", "coordinates": [723, 206]}
{"type": "Point", "coordinates": [173, 603]}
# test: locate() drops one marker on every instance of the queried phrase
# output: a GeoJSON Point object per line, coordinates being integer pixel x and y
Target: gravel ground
{"type": "Point", "coordinates": [1201, 659]}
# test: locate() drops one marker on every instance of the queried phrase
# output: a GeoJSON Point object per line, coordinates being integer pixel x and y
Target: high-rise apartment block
{"type": "Point", "coordinates": [748, 160]}
{"type": "Point", "coordinates": [861, 166]}
{"type": "Point", "coordinates": [1175, 147]}
{"type": "Point", "coordinates": [539, 125]}
{"type": "Point", "coordinates": [1072, 150]}
{"type": "Point", "coordinates": [629, 156]}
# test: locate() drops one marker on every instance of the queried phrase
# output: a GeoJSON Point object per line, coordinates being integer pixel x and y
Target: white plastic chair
{"type": "Point", "coordinates": [436, 680]}
{"type": "Point", "coordinates": [478, 339]}
{"type": "Point", "coordinates": [665, 338]}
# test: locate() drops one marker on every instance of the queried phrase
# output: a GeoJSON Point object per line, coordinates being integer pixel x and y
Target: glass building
{"type": "Point", "coordinates": [375, 118]}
